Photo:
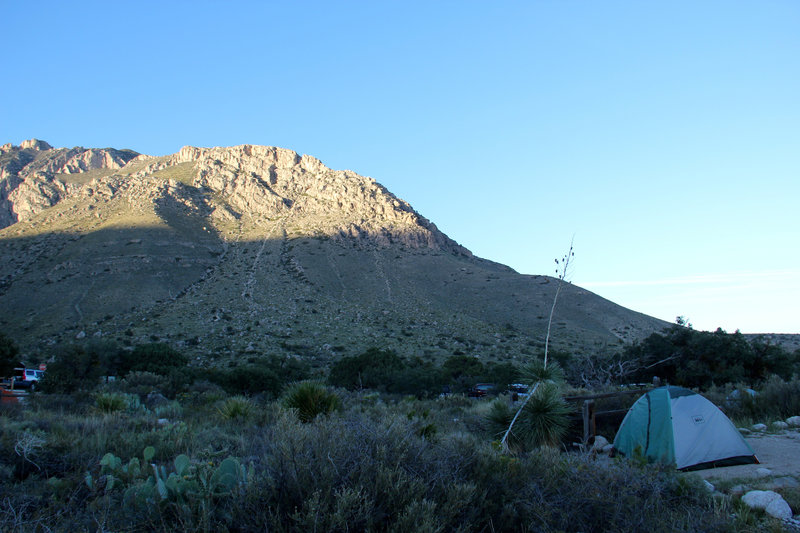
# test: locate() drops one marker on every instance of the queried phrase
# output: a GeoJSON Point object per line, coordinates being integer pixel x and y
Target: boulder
{"type": "Point", "coordinates": [600, 442]}
{"type": "Point", "coordinates": [739, 490]}
{"type": "Point", "coordinates": [759, 427]}
{"type": "Point", "coordinates": [780, 424]}
{"type": "Point", "coordinates": [154, 399]}
{"type": "Point", "coordinates": [763, 472]}
{"type": "Point", "coordinates": [759, 499]}
{"type": "Point", "coordinates": [785, 482]}
{"type": "Point", "coordinates": [793, 421]}
{"type": "Point", "coordinates": [770, 501]}
{"type": "Point", "coordinates": [779, 509]}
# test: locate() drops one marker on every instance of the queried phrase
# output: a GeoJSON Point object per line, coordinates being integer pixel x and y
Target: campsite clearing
{"type": "Point", "coordinates": [778, 452]}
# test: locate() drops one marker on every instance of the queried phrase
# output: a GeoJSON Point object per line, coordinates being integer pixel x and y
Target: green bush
{"type": "Point", "coordinates": [690, 358]}
{"type": "Point", "coordinates": [386, 371]}
{"type": "Point", "coordinates": [311, 399]}
{"type": "Point", "coordinates": [158, 358]}
{"type": "Point", "coordinates": [80, 366]}
{"type": "Point", "coordinates": [236, 408]}
{"type": "Point", "coordinates": [775, 399]}
{"type": "Point", "coordinates": [111, 402]}
{"type": "Point", "coordinates": [9, 356]}
{"type": "Point", "coordinates": [267, 375]}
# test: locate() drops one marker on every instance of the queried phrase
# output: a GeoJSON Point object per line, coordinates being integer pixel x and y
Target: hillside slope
{"type": "Point", "coordinates": [225, 252]}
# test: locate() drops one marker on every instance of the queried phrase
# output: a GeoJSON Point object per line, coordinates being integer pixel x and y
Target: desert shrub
{"type": "Point", "coordinates": [385, 371]}
{"type": "Point", "coordinates": [9, 355]}
{"type": "Point", "coordinates": [141, 383]}
{"type": "Point", "coordinates": [461, 372]}
{"type": "Point", "coordinates": [372, 467]}
{"type": "Point", "coordinates": [311, 399]}
{"type": "Point", "coordinates": [111, 402]}
{"type": "Point", "coordinates": [80, 366]}
{"type": "Point", "coordinates": [203, 392]}
{"type": "Point", "coordinates": [235, 408]}
{"type": "Point", "coordinates": [172, 410]}
{"type": "Point", "coordinates": [702, 359]}
{"type": "Point", "coordinates": [158, 358]}
{"type": "Point", "coordinates": [267, 375]}
{"type": "Point", "coordinates": [365, 371]}
{"type": "Point", "coordinates": [779, 398]}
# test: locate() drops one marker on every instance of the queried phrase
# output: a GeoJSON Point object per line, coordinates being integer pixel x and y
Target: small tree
{"type": "Point", "coordinates": [9, 355]}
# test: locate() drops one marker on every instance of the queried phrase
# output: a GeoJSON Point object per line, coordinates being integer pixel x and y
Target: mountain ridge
{"type": "Point", "coordinates": [251, 249]}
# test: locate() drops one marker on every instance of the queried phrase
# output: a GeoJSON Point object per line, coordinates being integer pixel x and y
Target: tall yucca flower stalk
{"type": "Point", "coordinates": [562, 267]}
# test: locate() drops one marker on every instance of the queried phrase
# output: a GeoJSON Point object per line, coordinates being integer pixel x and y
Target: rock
{"type": "Point", "coordinates": [770, 501]}
{"type": "Point", "coordinates": [608, 448]}
{"type": "Point", "coordinates": [155, 399]}
{"type": "Point", "coordinates": [779, 509]}
{"type": "Point", "coordinates": [779, 424]}
{"type": "Point", "coordinates": [599, 443]}
{"type": "Point", "coordinates": [759, 427]}
{"type": "Point", "coordinates": [744, 431]}
{"type": "Point", "coordinates": [738, 490]}
{"type": "Point", "coordinates": [785, 482]}
{"type": "Point", "coordinates": [763, 472]}
{"type": "Point", "coordinates": [793, 421]}
{"type": "Point", "coordinates": [162, 421]}
{"type": "Point", "coordinates": [80, 335]}
{"type": "Point", "coordinates": [35, 144]}
{"type": "Point", "coordinates": [759, 499]}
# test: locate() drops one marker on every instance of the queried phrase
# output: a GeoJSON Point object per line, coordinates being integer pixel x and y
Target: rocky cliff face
{"type": "Point", "coordinates": [256, 182]}
{"type": "Point", "coordinates": [29, 175]}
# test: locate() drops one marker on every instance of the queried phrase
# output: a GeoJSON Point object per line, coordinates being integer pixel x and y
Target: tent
{"type": "Point", "coordinates": [673, 425]}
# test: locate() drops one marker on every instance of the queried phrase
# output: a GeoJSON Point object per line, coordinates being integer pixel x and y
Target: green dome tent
{"type": "Point", "coordinates": [673, 425]}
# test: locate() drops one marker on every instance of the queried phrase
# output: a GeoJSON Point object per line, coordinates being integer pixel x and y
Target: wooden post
{"type": "Point", "coordinates": [589, 427]}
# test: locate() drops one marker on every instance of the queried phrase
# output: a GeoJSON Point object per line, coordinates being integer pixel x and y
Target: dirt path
{"type": "Point", "coordinates": [780, 453]}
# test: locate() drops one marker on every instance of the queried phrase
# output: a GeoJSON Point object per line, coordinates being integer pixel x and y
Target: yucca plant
{"type": "Point", "coordinates": [310, 399]}
{"type": "Point", "coordinates": [547, 373]}
{"type": "Point", "coordinates": [236, 408]}
{"type": "Point", "coordinates": [538, 372]}
{"type": "Point", "coordinates": [543, 421]}
{"type": "Point", "coordinates": [545, 418]}
{"type": "Point", "coordinates": [111, 402]}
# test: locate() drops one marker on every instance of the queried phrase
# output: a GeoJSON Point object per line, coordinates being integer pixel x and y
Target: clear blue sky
{"type": "Point", "coordinates": [664, 135]}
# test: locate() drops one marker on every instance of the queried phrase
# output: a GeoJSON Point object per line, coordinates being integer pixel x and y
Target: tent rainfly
{"type": "Point", "coordinates": [673, 425]}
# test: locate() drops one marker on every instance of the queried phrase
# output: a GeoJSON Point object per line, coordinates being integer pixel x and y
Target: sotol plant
{"type": "Point", "coordinates": [311, 399]}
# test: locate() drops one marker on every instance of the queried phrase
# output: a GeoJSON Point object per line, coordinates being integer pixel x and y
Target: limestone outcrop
{"type": "Point", "coordinates": [29, 175]}
{"type": "Point", "coordinates": [257, 182]}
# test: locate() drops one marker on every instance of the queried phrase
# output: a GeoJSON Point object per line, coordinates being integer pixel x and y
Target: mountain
{"type": "Point", "coordinates": [247, 250]}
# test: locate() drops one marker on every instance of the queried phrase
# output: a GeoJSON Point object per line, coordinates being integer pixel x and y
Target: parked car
{"type": "Point", "coordinates": [26, 378]}
{"type": "Point", "coordinates": [480, 390]}
{"type": "Point", "coordinates": [519, 388]}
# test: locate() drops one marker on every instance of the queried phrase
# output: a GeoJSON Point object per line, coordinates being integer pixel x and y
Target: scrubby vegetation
{"type": "Point", "coordinates": [375, 465]}
{"type": "Point", "coordinates": [683, 356]}
{"type": "Point", "coordinates": [261, 446]}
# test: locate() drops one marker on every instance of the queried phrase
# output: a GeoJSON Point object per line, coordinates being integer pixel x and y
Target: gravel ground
{"type": "Point", "coordinates": [778, 452]}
